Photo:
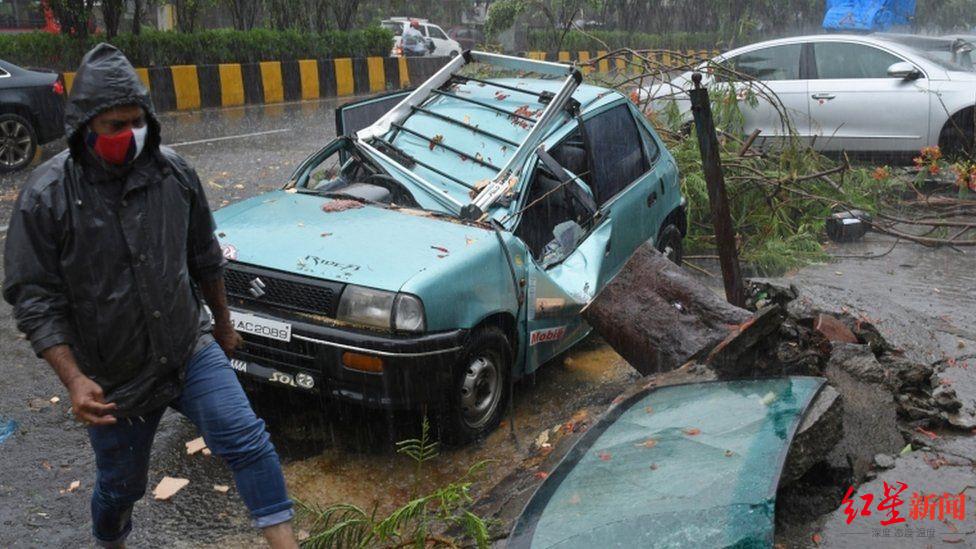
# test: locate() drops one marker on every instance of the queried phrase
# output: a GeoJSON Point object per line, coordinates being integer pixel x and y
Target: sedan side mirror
{"type": "Point", "coordinates": [904, 71]}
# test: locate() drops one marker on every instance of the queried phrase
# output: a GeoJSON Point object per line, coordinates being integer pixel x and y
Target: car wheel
{"type": "Point", "coordinates": [453, 54]}
{"type": "Point", "coordinates": [480, 388]}
{"type": "Point", "coordinates": [18, 143]}
{"type": "Point", "coordinates": [671, 243]}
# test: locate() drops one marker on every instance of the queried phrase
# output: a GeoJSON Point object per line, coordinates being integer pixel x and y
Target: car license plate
{"type": "Point", "coordinates": [264, 327]}
{"type": "Point", "coordinates": [300, 380]}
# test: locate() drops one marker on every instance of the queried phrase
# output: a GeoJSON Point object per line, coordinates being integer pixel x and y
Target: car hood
{"type": "Point", "coordinates": [367, 245]}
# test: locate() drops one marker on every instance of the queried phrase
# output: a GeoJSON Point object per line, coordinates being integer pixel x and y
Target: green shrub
{"type": "Point", "coordinates": [160, 48]}
{"type": "Point", "coordinates": [547, 40]}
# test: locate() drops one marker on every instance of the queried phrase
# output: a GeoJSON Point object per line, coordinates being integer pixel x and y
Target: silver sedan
{"type": "Point", "coordinates": [844, 93]}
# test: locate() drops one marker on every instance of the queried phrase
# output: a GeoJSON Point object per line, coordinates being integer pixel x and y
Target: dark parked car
{"type": "Point", "coordinates": [469, 38]}
{"type": "Point", "coordinates": [31, 113]}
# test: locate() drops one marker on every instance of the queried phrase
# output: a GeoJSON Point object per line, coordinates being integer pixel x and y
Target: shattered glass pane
{"type": "Point", "coordinates": [683, 466]}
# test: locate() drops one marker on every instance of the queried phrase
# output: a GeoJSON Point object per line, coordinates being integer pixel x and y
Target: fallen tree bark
{"type": "Point", "coordinates": [658, 317]}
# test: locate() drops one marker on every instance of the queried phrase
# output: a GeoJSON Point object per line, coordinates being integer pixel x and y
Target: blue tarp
{"type": "Point", "coordinates": [868, 15]}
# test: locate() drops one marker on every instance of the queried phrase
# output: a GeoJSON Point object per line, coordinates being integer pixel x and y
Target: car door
{"type": "Point", "coordinates": [608, 154]}
{"type": "Point", "coordinates": [773, 77]}
{"type": "Point", "coordinates": [442, 46]}
{"type": "Point", "coordinates": [856, 106]}
{"type": "Point", "coordinates": [354, 116]}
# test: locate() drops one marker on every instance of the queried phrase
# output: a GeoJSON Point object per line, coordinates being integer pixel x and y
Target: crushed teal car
{"type": "Point", "coordinates": [443, 245]}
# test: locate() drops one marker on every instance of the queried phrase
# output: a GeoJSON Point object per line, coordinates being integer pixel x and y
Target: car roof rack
{"type": "Point", "coordinates": [537, 128]}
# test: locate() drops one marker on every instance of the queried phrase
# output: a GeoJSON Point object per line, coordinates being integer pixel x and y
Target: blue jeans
{"type": "Point", "coordinates": [213, 400]}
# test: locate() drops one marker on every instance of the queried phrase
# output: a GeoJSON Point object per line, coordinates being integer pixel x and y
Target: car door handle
{"type": "Point", "coordinates": [823, 96]}
{"type": "Point", "coordinates": [651, 199]}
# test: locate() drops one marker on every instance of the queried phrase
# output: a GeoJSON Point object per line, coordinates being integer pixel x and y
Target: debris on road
{"type": "Point", "coordinates": [7, 428]}
{"type": "Point", "coordinates": [222, 488]}
{"type": "Point", "coordinates": [195, 446]}
{"type": "Point", "coordinates": [75, 484]}
{"type": "Point", "coordinates": [55, 400]}
{"type": "Point", "coordinates": [168, 487]}
{"type": "Point", "coordinates": [833, 329]}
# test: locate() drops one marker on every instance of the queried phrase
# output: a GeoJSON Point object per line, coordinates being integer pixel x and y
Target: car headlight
{"type": "Point", "coordinates": [381, 309]}
{"type": "Point", "coordinates": [408, 314]}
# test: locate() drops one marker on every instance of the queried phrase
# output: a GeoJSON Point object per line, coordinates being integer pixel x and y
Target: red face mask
{"type": "Point", "coordinates": [120, 148]}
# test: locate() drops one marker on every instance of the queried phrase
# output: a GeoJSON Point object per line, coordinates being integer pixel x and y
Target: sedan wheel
{"type": "Point", "coordinates": [17, 143]}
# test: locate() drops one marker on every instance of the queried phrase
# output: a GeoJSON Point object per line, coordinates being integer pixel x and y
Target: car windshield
{"type": "Point", "coordinates": [685, 465]}
{"type": "Point", "coordinates": [950, 54]}
{"type": "Point", "coordinates": [344, 172]}
{"type": "Point", "coordinates": [394, 27]}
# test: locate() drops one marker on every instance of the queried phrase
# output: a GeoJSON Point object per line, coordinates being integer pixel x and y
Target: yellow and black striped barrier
{"type": "Point", "coordinates": [672, 58]}
{"type": "Point", "coordinates": [189, 87]}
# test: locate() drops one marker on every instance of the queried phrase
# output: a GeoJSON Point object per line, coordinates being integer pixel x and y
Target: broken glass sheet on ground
{"type": "Point", "coordinates": [678, 466]}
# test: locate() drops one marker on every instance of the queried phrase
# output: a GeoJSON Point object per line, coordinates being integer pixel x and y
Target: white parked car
{"type": "Point", "coordinates": [443, 45]}
{"type": "Point", "coordinates": [845, 93]}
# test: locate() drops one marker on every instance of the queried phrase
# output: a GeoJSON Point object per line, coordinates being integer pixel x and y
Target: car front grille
{"type": "Point", "coordinates": [275, 289]}
{"type": "Point", "coordinates": [278, 354]}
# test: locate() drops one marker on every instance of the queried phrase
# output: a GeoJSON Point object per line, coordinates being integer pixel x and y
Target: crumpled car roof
{"type": "Point", "coordinates": [477, 148]}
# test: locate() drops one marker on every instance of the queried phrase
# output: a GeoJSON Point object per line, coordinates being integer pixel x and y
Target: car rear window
{"type": "Point", "coordinates": [617, 152]}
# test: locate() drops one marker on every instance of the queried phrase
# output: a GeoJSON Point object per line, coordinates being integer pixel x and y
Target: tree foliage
{"type": "Point", "coordinates": [74, 16]}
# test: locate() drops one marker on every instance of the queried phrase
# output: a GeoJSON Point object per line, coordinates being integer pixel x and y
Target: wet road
{"type": "Point", "coordinates": [328, 458]}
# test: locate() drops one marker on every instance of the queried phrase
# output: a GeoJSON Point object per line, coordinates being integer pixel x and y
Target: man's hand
{"type": "Point", "coordinates": [227, 337]}
{"type": "Point", "coordinates": [88, 402]}
{"type": "Point", "coordinates": [223, 331]}
{"type": "Point", "coordinates": [87, 399]}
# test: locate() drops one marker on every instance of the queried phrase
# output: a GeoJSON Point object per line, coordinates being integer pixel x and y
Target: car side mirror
{"type": "Point", "coordinates": [904, 71]}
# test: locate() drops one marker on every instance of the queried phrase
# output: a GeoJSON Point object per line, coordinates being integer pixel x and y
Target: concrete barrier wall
{"type": "Point", "coordinates": [189, 87]}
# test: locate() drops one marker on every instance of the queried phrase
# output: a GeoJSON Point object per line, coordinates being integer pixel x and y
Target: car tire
{"type": "Point", "coordinates": [670, 242]}
{"type": "Point", "coordinates": [479, 388]}
{"type": "Point", "coordinates": [453, 54]}
{"type": "Point", "coordinates": [18, 143]}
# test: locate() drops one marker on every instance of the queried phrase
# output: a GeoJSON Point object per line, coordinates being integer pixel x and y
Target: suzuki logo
{"type": "Point", "coordinates": [257, 287]}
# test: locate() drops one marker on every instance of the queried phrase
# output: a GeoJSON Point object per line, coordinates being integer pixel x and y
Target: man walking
{"type": "Point", "coordinates": [108, 244]}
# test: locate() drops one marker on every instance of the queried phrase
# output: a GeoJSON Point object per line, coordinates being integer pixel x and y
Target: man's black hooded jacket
{"type": "Point", "coordinates": [104, 259]}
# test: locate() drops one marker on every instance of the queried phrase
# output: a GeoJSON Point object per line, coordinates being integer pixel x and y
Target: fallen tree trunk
{"type": "Point", "coordinates": [658, 317]}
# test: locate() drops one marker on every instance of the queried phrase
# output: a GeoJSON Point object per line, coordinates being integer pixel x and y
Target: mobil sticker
{"type": "Point", "coordinates": [547, 335]}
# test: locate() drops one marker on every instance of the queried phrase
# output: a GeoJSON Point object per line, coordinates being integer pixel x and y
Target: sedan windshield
{"type": "Point", "coordinates": [950, 54]}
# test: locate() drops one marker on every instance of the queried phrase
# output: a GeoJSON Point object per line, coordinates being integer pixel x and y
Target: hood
{"type": "Point", "coordinates": [369, 246]}
{"type": "Point", "coordinates": [105, 79]}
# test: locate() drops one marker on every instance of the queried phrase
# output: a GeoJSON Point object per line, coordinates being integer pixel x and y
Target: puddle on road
{"type": "Point", "coordinates": [345, 469]}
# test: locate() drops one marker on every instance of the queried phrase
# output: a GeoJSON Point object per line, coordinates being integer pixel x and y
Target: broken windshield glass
{"type": "Point", "coordinates": [681, 466]}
